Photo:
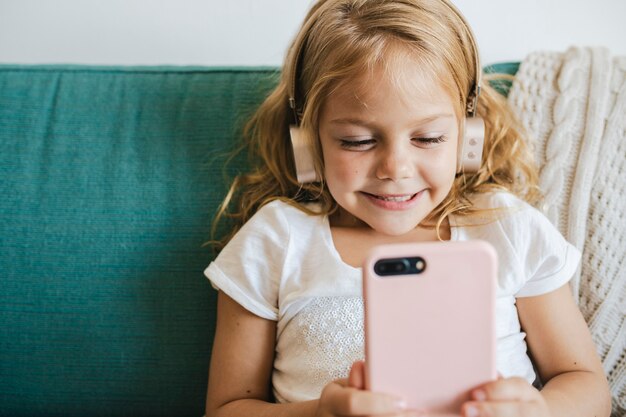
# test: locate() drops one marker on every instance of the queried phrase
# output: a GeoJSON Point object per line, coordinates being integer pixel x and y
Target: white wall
{"type": "Point", "coordinates": [256, 32]}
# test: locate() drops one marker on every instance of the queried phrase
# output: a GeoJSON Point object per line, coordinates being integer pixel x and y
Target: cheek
{"type": "Point", "coordinates": [340, 169]}
{"type": "Point", "coordinates": [441, 166]}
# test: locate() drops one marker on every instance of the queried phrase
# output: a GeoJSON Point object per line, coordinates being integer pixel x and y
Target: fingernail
{"type": "Point", "coordinates": [471, 411]}
{"type": "Point", "coordinates": [479, 395]}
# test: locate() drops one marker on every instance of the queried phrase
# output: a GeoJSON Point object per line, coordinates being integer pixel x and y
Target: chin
{"type": "Point", "coordinates": [393, 229]}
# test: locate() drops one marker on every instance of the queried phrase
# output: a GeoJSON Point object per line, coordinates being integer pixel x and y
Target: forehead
{"type": "Point", "coordinates": [399, 78]}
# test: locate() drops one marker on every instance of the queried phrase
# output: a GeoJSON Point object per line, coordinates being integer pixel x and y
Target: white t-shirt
{"type": "Point", "coordinates": [282, 265]}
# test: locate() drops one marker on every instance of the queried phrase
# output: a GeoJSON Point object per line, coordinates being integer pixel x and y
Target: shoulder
{"type": "Point", "coordinates": [278, 215]}
{"type": "Point", "coordinates": [529, 246]}
{"type": "Point", "coordinates": [508, 211]}
{"type": "Point", "coordinates": [249, 268]}
{"type": "Point", "coordinates": [274, 211]}
{"type": "Point", "coordinates": [273, 224]}
{"type": "Point", "coordinates": [268, 230]}
{"type": "Point", "coordinates": [521, 223]}
{"type": "Point", "coordinates": [279, 210]}
{"type": "Point", "coordinates": [501, 199]}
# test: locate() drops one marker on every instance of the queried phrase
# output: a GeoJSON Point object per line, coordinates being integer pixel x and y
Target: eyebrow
{"type": "Point", "coordinates": [360, 122]}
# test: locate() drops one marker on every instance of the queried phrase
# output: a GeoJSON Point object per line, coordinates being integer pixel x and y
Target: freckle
{"type": "Point", "coordinates": [575, 363]}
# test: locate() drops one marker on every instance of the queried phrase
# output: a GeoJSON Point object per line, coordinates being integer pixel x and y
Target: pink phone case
{"type": "Point", "coordinates": [430, 337]}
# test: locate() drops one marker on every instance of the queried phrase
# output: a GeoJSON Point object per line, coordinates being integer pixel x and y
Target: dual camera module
{"type": "Point", "coordinates": [400, 266]}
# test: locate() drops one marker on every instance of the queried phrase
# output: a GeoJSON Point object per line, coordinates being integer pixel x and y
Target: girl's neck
{"type": "Point", "coordinates": [342, 219]}
{"type": "Point", "coordinates": [354, 240]}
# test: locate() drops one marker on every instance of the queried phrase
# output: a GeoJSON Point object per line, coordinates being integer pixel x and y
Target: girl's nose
{"type": "Point", "coordinates": [394, 164]}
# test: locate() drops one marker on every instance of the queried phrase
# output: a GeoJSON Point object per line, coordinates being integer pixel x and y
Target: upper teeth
{"type": "Point", "coordinates": [398, 198]}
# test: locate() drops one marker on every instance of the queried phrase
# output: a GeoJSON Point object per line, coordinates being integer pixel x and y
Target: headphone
{"type": "Point", "coordinates": [470, 148]}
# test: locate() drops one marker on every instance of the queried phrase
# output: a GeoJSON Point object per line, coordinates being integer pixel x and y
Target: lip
{"type": "Point", "coordinates": [393, 205]}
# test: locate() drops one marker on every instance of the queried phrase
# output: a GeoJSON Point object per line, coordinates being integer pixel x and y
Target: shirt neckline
{"type": "Point", "coordinates": [328, 240]}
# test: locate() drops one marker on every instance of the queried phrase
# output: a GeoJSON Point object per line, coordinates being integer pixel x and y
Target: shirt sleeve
{"type": "Point", "coordinates": [550, 260]}
{"type": "Point", "coordinates": [250, 266]}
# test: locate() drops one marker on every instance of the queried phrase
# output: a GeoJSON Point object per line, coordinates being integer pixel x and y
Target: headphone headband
{"type": "Point", "coordinates": [297, 52]}
{"type": "Point", "coordinates": [472, 100]}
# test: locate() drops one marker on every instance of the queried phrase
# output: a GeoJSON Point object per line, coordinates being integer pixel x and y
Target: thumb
{"type": "Point", "coordinates": [357, 375]}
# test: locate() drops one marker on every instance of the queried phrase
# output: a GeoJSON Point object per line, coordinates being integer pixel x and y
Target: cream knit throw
{"type": "Point", "coordinates": [573, 104]}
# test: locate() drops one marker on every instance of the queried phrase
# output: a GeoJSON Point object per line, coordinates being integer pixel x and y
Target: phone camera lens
{"type": "Point", "coordinates": [392, 267]}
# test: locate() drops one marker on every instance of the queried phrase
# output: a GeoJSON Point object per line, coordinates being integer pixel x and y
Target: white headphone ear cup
{"type": "Point", "coordinates": [471, 147]}
{"type": "Point", "coordinates": [303, 156]}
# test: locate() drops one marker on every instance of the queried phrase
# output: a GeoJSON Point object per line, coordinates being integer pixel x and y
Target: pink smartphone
{"type": "Point", "coordinates": [430, 322]}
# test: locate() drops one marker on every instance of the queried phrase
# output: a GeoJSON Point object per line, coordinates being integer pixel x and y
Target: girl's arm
{"type": "Point", "coordinates": [241, 368]}
{"type": "Point", "coordinates": [241, 365]}
{"type": "Point", "coordinates": [565, 356]}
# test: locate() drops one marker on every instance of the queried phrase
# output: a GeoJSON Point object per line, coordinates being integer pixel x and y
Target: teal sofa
{"type": "Point", "coordinates": [109, 180]}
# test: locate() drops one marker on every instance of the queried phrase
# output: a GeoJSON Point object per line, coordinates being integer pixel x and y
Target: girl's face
{"type": "Point", "coordinates": [389, 143]}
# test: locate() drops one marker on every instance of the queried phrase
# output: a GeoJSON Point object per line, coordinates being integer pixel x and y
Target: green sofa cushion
{"type": "Point", "coordinates": [109, 179]}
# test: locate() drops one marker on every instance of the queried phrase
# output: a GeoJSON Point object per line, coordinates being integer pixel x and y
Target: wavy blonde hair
{"type": "Point", "coordinates": [345, 38]}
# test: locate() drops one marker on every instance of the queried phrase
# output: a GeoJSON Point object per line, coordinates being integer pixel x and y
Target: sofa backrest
{"type": "Point", "coordinates": [109, 179]}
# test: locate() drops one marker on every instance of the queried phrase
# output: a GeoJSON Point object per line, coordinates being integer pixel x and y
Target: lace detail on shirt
{"type": "Point", "coordinates": [329, 335]}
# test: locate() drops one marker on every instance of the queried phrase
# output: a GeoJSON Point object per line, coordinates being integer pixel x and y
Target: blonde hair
{"type": "Point", "coordinates": [345, 39]}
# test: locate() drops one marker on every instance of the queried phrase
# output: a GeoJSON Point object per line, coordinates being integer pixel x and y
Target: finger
{"type": "Point", "coordinates": [503, 409]}
{"type": "Point", "coordinates": [351, 401]}
{"type": "Point", "coordinates": [343, 382]}
{"type": "Point", "coordinates": [508, 389]}
{"type": "Point", "coordinates": [357, 375]}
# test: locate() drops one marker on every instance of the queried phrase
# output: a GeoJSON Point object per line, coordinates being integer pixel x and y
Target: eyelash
{"type": "Point", "coordinates": [350, 144]}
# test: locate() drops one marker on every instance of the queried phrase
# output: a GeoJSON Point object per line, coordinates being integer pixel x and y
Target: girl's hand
{"type": "Point", "coordinates": [506, 397]}
{"type": "Point", "coordinates": [347, 397]}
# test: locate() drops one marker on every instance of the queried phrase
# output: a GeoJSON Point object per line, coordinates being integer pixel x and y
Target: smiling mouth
{"type": "Point", "coordinates": [393, 198]}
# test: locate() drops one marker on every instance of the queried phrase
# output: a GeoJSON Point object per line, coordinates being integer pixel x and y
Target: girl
{"type": "Point", "coordinates": [379, 93]}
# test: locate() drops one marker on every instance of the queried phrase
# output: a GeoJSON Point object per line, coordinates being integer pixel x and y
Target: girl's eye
{"type": "Point", "coordinates": [431, 141]}
{"type": "Point", "coordinates": [365, 144]}
{"type": "Point", "coordinates": [357, 144]}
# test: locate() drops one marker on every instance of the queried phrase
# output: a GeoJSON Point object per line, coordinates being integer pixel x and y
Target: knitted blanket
{"type": "Point", "coordinates": [573, 105]}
